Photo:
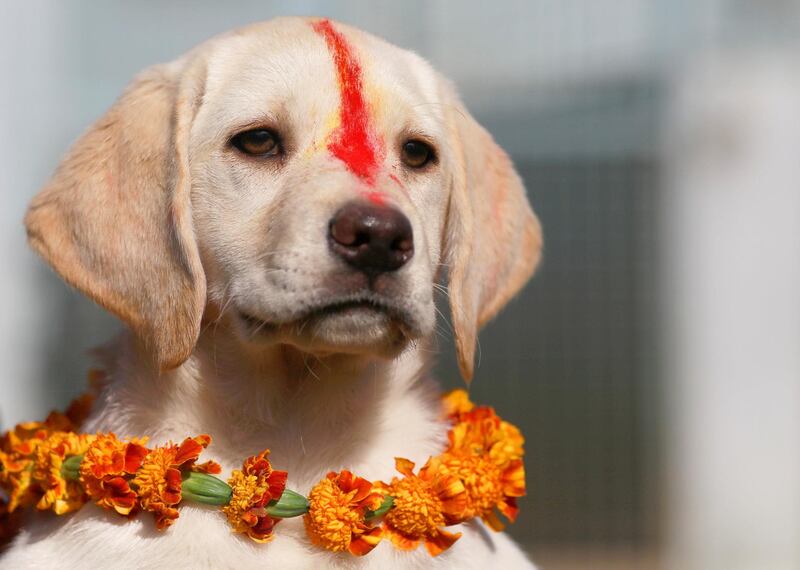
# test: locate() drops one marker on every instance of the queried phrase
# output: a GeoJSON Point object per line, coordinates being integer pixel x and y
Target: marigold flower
{"type": "Point", "coordinates": [23, 440]}
{"type": "Point", "coordinates": [487, 485]}
{"type": "Point", "coordinates": [158, 480]}
{"type": "Point", "coordinates": [15, 479]}
{"type": "Point", "coordinates": [104, 468]}
{"type": "Point", "coordinates": [253, 488]}
{"type": "Point", "coordinates": [482, 432]}
{"type": "Point", "coordinates": [59, 494]}
{"type": "Point", "coordinates": [336, 516]}
{"type": "Point", "coordinates": [17, 451]}
{"type": "Point", "coordinates": [19, 455]}
{"type": "Point", "coordinates": [456, 403]}
{"type": "Point", "coordinates": [423, 504]}
{"type": "Point", "coordinates": [486, 452]}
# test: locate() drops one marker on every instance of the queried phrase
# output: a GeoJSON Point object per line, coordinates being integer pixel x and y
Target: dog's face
{"type": "Point", "coordinates": [318, 190]}
{"type": "Point", "coordinates": [303, 179]}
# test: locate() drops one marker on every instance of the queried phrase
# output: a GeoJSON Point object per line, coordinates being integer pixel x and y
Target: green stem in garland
{"type": "Point", "coordinates": [291, 504]}
{"type": "Point", "coordinates": [205, 488]}
{"type": "Point", "coordinates": [388, 503]}
{"type": "Point", "coordinates": [70, 467]}
{"type": "Point", "coordinates": [209, 490]}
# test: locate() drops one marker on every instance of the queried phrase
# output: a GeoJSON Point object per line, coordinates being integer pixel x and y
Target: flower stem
{"type": "Point", "coordinates": [290, 504]}
{"type": "Point", "coordinates": [205, 488]}
{"type": "Point", "coordinates": [70, 467]}
{"type": "Point", "coordinates": [388, 503]}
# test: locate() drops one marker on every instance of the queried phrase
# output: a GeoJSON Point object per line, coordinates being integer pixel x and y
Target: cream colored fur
{"type": "Point", "coordinates": [154, 216]}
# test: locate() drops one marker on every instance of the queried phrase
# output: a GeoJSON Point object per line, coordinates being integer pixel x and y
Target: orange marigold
{"type": "Point", "coordinates": [15, 479]}
{"type": "Point", "coordinates": [486, 452]}
{"type": "Point", "coordinates": [487, 486]}
{"type": "Point", "coordinates": [22, 441]}
{"type": "Point", "coordinates": [59, 494]}
{"type": "Point", "coordinates": [104, 470]}
{"type": "Point", "coordinates": [481, 432]}
{"type": "Point", "coordinates": [337, 507]}
{"type": "Point", "coordinates": [158, 480]}
{"type": "Point", "coordinates": [17, 453]}
{"type": "Point", "coordinates": [456, 403]}
{"type": "Point", "coordinates": [253, 488]}
{"type": "Point", "coordinates": [423, 504]}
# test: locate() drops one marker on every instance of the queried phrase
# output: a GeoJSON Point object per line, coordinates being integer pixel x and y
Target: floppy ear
{"type": "Point", "coordinates": [493, 240]}
{"type": "Point", "coordinates": [115, 220]}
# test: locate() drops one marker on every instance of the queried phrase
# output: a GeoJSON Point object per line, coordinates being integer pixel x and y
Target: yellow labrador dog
{"type": "Point", "coordinates": [270, 215]}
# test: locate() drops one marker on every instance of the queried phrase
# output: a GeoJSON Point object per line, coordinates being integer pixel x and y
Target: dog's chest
{"type": "Point", "coordinates": [201, 539]}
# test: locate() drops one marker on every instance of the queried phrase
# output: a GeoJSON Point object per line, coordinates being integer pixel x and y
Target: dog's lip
{"type": "Point", "coordinates": [321, 310]}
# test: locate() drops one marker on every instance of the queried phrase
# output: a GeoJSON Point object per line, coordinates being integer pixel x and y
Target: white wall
{"type": "Point", "coordinates": [32, 107]}
{"type": "Point", "coordinates": [731, 243]}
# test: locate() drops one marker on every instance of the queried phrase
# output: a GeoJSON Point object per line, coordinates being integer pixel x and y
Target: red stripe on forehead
{"type": "Point", "coordinates": [354, 142]}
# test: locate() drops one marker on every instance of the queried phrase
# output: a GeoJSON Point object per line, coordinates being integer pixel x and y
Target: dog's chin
{"type": "Point", "coordinates": [350, 328]}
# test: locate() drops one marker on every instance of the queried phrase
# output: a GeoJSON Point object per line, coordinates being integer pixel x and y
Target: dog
{"type": "Point", "coordinates": [270, 215]}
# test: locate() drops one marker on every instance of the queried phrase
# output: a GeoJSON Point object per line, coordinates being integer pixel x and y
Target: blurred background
{"type": "Point", "coordinates": [653, 363]}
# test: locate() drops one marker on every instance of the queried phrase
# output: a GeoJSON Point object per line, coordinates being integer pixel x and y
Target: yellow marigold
{"type": "Point", "coordinates": [23, 440]}
{"type": "Point", "coordinates": [253, 488]}
{"type": "Point", "coordinates": [19, 452]}
{"type": "Point", "coordinates": [337, 507]}
{"type": "Point", "coordinates": [105, 468]}
{"type": "Point", "coordinates": [456, 403]}
{"type": "Point", "coordinates": [15, 479]}
{"type": "Point", "coordinates": [423, 504]}
{"type": "Point", "coordinates": [487, 485]}
{"type": "Point", "coordinates": [158, 480]}
{"type": "Point", "coordinates": [59, 494]}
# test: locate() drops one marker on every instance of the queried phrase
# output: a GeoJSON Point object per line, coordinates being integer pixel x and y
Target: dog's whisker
{"type": "Point", "coordinates": [310, 370]}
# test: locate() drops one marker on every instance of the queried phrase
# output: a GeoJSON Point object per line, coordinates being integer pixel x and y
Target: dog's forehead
{"type": "Point", "coordinates": [293, 66]}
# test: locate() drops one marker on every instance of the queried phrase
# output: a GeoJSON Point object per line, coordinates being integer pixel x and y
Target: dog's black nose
{"type": "Point", "coordinates": [371, 238]}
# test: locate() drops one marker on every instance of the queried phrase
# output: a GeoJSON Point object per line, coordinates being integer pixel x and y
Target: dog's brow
{"type": "Point", "coordinates": [354, 142]}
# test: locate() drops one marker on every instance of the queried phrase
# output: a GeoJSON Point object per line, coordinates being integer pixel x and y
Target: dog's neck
{"type": "Point", "coordinates": [314, 413]}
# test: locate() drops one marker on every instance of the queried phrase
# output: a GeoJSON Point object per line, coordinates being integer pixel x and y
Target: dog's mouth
{"type": "Point", "coordinates": [256, 325]}
{"type": "Point", "coordinates": [361, 324]}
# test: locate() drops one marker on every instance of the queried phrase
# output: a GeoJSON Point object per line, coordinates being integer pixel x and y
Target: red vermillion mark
{"type": "Point", "coordinates": [354, 141]}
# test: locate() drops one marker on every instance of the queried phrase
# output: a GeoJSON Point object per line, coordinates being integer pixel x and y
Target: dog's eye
{"type": "Point", "coordinates": [416, 154]}
{"type": "Point", "coordinates": [258, 142]}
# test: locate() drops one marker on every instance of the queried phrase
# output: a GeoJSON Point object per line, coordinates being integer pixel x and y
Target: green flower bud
{"type": "Point", "coordinates": [70, 467]}
{"type": "Point", "coordinates": [205, 488]}
{"type": "Point", "coordinates": [290, 504]}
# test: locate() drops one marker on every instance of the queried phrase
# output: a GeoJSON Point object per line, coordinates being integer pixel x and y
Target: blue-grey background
{"type": "Point", "coordinates": [575, 91]}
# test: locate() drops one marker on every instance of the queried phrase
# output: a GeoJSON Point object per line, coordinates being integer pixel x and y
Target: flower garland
{"type": "Point", "coordinates": [49, 466]}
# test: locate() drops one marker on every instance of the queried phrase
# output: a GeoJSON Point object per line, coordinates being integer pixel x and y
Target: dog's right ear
{"type": "Point", "coordinates": [115, 220]}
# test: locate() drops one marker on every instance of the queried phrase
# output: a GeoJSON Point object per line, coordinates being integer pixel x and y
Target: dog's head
{"type": "Point", "coordinates": [305, 180]}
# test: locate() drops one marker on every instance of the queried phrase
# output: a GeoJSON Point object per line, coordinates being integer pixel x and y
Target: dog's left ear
{"type": "Point", "coordinates": [115, 220]}
{"type": "Point", "coordinates": [493, 240]}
